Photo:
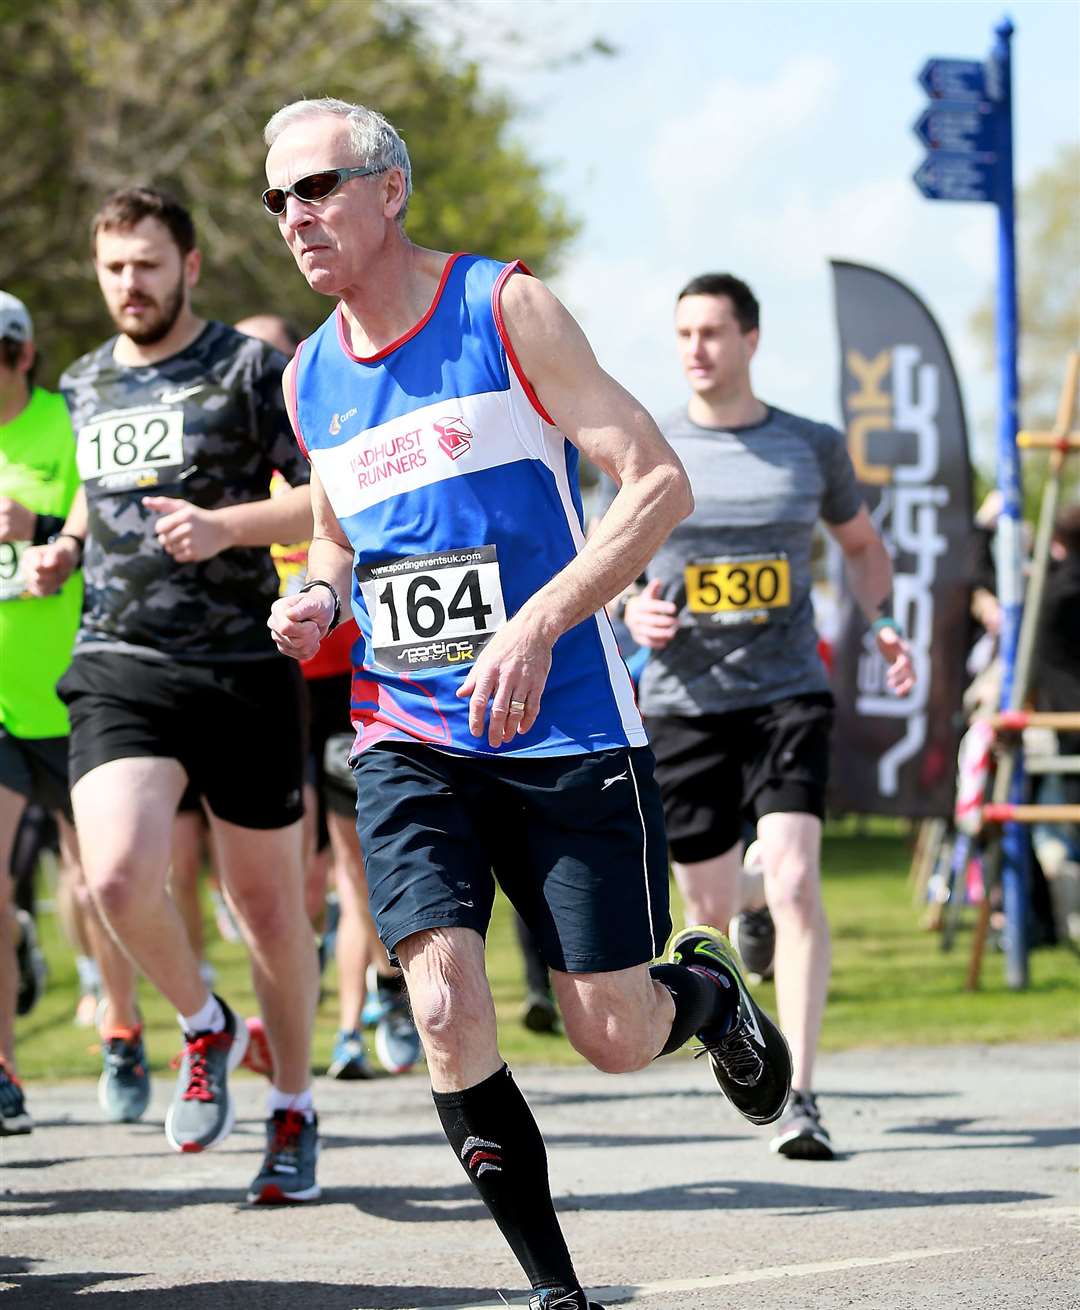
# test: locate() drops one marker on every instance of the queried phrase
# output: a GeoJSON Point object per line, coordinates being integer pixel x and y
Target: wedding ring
{"type": "Point", "coordinates": [518, 706]}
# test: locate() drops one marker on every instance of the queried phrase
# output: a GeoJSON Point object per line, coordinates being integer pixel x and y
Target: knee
{"type": "Point", "coordinates": [117, 891]}
{"type": "Point", "coordinates": [266, 914]}
{"type": "Point", "coordinates": [794, 889]}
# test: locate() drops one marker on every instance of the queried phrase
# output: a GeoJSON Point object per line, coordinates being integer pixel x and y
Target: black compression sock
{"type": "Point", "coordinates": [700, 1003]}
{"type": "Point", "coordinates": [495, 1136]}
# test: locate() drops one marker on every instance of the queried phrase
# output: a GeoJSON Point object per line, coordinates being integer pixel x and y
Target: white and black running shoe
{"type": "Point", "coordinates": [563, 1301]}
{"type": "Point", "coordinates": [801, 1134]}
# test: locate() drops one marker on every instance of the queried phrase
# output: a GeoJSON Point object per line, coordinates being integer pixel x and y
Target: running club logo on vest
{"type": "Point", "coordinates": [393, 456]}
{"type": "Point", "coordinates": [908, 443]}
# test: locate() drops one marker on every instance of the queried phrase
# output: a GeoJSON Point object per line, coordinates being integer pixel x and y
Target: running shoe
{"type": "Point", "coordinates": [124, 1085]}
{"type": "Point", "coordinates": [349, 1061]}
{"type": "Point", "coordinates": [397, 1043]}
{"type": "Point", "coordinates": [32, 968]}
{"type": "Point", "coordinates": [563, 1301]}
{"type": "Point", "coordinates": [754, 936]}
{"type": "Point", "coordinates": [202, 1110]}
{"type": "Point", "coordinates": [376, 1005]}
{"type": "Point", "coordinates": [801, 1134]}
{"type": "Point", "coordinates": [288, 1168]}
{"type": "Point", "coordinates": [14, 1116]}
{"type": "Point", "coordinates": [750, 1060]}
{"type": "Point", "coordinates": [539, 1014]}
{"type": "Point", "coordinates": [258, 1057]}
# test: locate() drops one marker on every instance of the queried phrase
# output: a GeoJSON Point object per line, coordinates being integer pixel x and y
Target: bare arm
{"type": "Point", "coordinates": [609, 426]}
{"type": "Point", "coordinates": [189, 533]}
{"type": "Point", "coordinates": [869, 571]}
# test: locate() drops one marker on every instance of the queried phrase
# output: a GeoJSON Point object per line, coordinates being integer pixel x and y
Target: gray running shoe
{"type": "Point", "coordinates": [124, 1085]}
{"type": "Point", "coordinates": [33, 970]}
{"type": "Point", "coordinates": [397, 1043]}
{"type": "Point", "coordinates": [801, 1134]}
{"type": "Point", "coordinates": [754, 936]}
{"type": "Point", "coordinates": [14, 1116]}
{"type": "Point", "coordinates": [288, 1168]}
{"type": "Point", "coordinates": [202, 1110]}
{"type": "Point", "coordinates": [750, 1061]}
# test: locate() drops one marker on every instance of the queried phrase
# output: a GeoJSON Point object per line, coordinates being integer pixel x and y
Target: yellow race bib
{"type": "Point", "coordinates": [738, 589]}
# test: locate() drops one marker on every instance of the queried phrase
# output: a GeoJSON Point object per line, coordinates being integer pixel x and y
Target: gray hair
{"type": "Point", "coordinates": [374, 142]}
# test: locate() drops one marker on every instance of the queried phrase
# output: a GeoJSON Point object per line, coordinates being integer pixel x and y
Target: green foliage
{"type": "Point", "coordinates": [1048, 263]}
{"type": "Point", "coordinates": [106, 93]}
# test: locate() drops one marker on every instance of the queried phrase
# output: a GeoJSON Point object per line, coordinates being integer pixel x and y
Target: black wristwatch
{"type": "Point", "coordinates": [71, 536]}
{"type": "Point", "coordinates": [321, 582]}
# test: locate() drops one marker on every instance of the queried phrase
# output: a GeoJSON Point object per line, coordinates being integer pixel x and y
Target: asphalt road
{"type": "Point", "coordinates": [958, 1186]}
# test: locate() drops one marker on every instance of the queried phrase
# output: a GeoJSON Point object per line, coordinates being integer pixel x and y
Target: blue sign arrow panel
{"type": "Point", "coordinates": [960, 128]}
{"type": "Point", "coordinates": [943, 176]}
{"type": "Point", "coordinates": [953, 79]}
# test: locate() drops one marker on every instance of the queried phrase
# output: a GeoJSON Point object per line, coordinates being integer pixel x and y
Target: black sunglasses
{"type": "Point", "coordinates": [313, 188]}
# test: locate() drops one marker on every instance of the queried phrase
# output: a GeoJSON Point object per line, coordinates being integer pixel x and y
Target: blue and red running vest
{"type": "Point", "coordinates": [460, 500]}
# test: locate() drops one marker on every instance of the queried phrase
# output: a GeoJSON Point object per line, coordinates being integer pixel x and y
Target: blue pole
{"type": "Point", "coordinates": [1014, 837]}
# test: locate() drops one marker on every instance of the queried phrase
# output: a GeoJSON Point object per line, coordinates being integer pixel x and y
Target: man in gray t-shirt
{"type": "Point", "coordinates": [735, 694]}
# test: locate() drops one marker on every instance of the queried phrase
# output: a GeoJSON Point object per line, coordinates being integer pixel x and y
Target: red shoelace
{"type": "Point", "coordinates": [198, 1088]}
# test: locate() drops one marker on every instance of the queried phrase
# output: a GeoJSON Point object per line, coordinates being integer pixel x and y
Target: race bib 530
{"type": "Point", "coordinates": [433, 611]}
{"type": "Point", "coordinates": [738, 589]}
{"type": "Point", "coordinates": [131, 448]}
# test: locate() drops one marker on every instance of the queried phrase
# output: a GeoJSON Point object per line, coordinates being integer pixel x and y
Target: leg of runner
{"type": "Point", "coordinates": [124, 814]}
{"type": "Point", "coordinates": [124, 1085]}
{"type": "Point", "coordinates": [285, 971]}
{"type": "Point", "coordinates": [184, 869]}
{"type": "Point", "coordinates": [355, 941]}
{"type": "Point", "coordinates": [711, 888]}
{"type": "Point", "coordinates": [791, 848]}
{"type": "Point", "coordinates": [11, 808]}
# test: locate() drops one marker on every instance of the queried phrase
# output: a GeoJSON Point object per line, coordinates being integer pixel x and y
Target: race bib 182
{"type": "Point", "coordinates": [131, 448]}
{"type": "Point", "coordinates": [12, 585]}
{"type": "Point", "coordinates": [433, 611]}
{"type": "Point", "coordinates": [738, 589]}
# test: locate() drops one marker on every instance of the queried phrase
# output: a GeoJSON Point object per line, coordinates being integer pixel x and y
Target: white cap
{"type": "Point", "coordinates": [15, 321]}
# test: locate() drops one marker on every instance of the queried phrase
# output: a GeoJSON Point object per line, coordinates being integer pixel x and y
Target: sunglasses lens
{"type": "Point", "coordinates": [274, 200]}
{"type": "Point", "coordinates": [317, 186]}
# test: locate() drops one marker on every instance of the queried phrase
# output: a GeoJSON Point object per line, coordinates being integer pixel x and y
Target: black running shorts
{"type": "Point", "coordinates": [577, 842]}
{"type": "Point", "coordinates": [239, 729]}
{"type": "Point", "coordinates": [330, 699]}
{"type": "Point", "coordinates": [37, 768]}
{"type": "Point", "coordinates": [716, 769]}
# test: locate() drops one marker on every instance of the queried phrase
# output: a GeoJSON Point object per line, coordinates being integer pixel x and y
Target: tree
{"type": "Point", "coordinates": [104, 93]}
{"type": "Point", "coordinates": [1049, 267]}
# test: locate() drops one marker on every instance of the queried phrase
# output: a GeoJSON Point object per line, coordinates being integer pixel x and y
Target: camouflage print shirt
{"type": "Point", "coordinates": [207, 425]}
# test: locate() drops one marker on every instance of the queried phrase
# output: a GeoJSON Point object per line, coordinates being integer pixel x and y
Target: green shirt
{"type": "Point", "coordinates": [37, 469]}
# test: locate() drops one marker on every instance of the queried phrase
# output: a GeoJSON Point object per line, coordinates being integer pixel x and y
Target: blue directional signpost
{"type": "Point", "coordinates": [967, 130]}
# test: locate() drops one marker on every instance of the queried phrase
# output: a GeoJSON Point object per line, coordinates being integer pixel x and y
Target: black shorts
{"type": "Point", "coordinates": [577, 843]}
{"type": "Point", "coordinates": [330, 699]}
{"type": "Point", "coordinates": [37, 768]}
{"type": "Point", "coordinates": [714, 769]}
{"type": "Point", "coordinates": [239, 730]}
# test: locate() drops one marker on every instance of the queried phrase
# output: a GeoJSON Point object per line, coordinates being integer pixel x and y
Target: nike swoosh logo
{"type": "Point", "coordinates": [171, 397]}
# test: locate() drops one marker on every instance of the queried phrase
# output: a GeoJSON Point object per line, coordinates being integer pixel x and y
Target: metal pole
{"type": "Point", "coordinates": [1014, 840]}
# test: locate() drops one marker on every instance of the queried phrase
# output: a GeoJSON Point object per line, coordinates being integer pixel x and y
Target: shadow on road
{"type": "Point", "coordinates": [69, 1292]}
{"type": "Point", "coordinates": [458, 1203]}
